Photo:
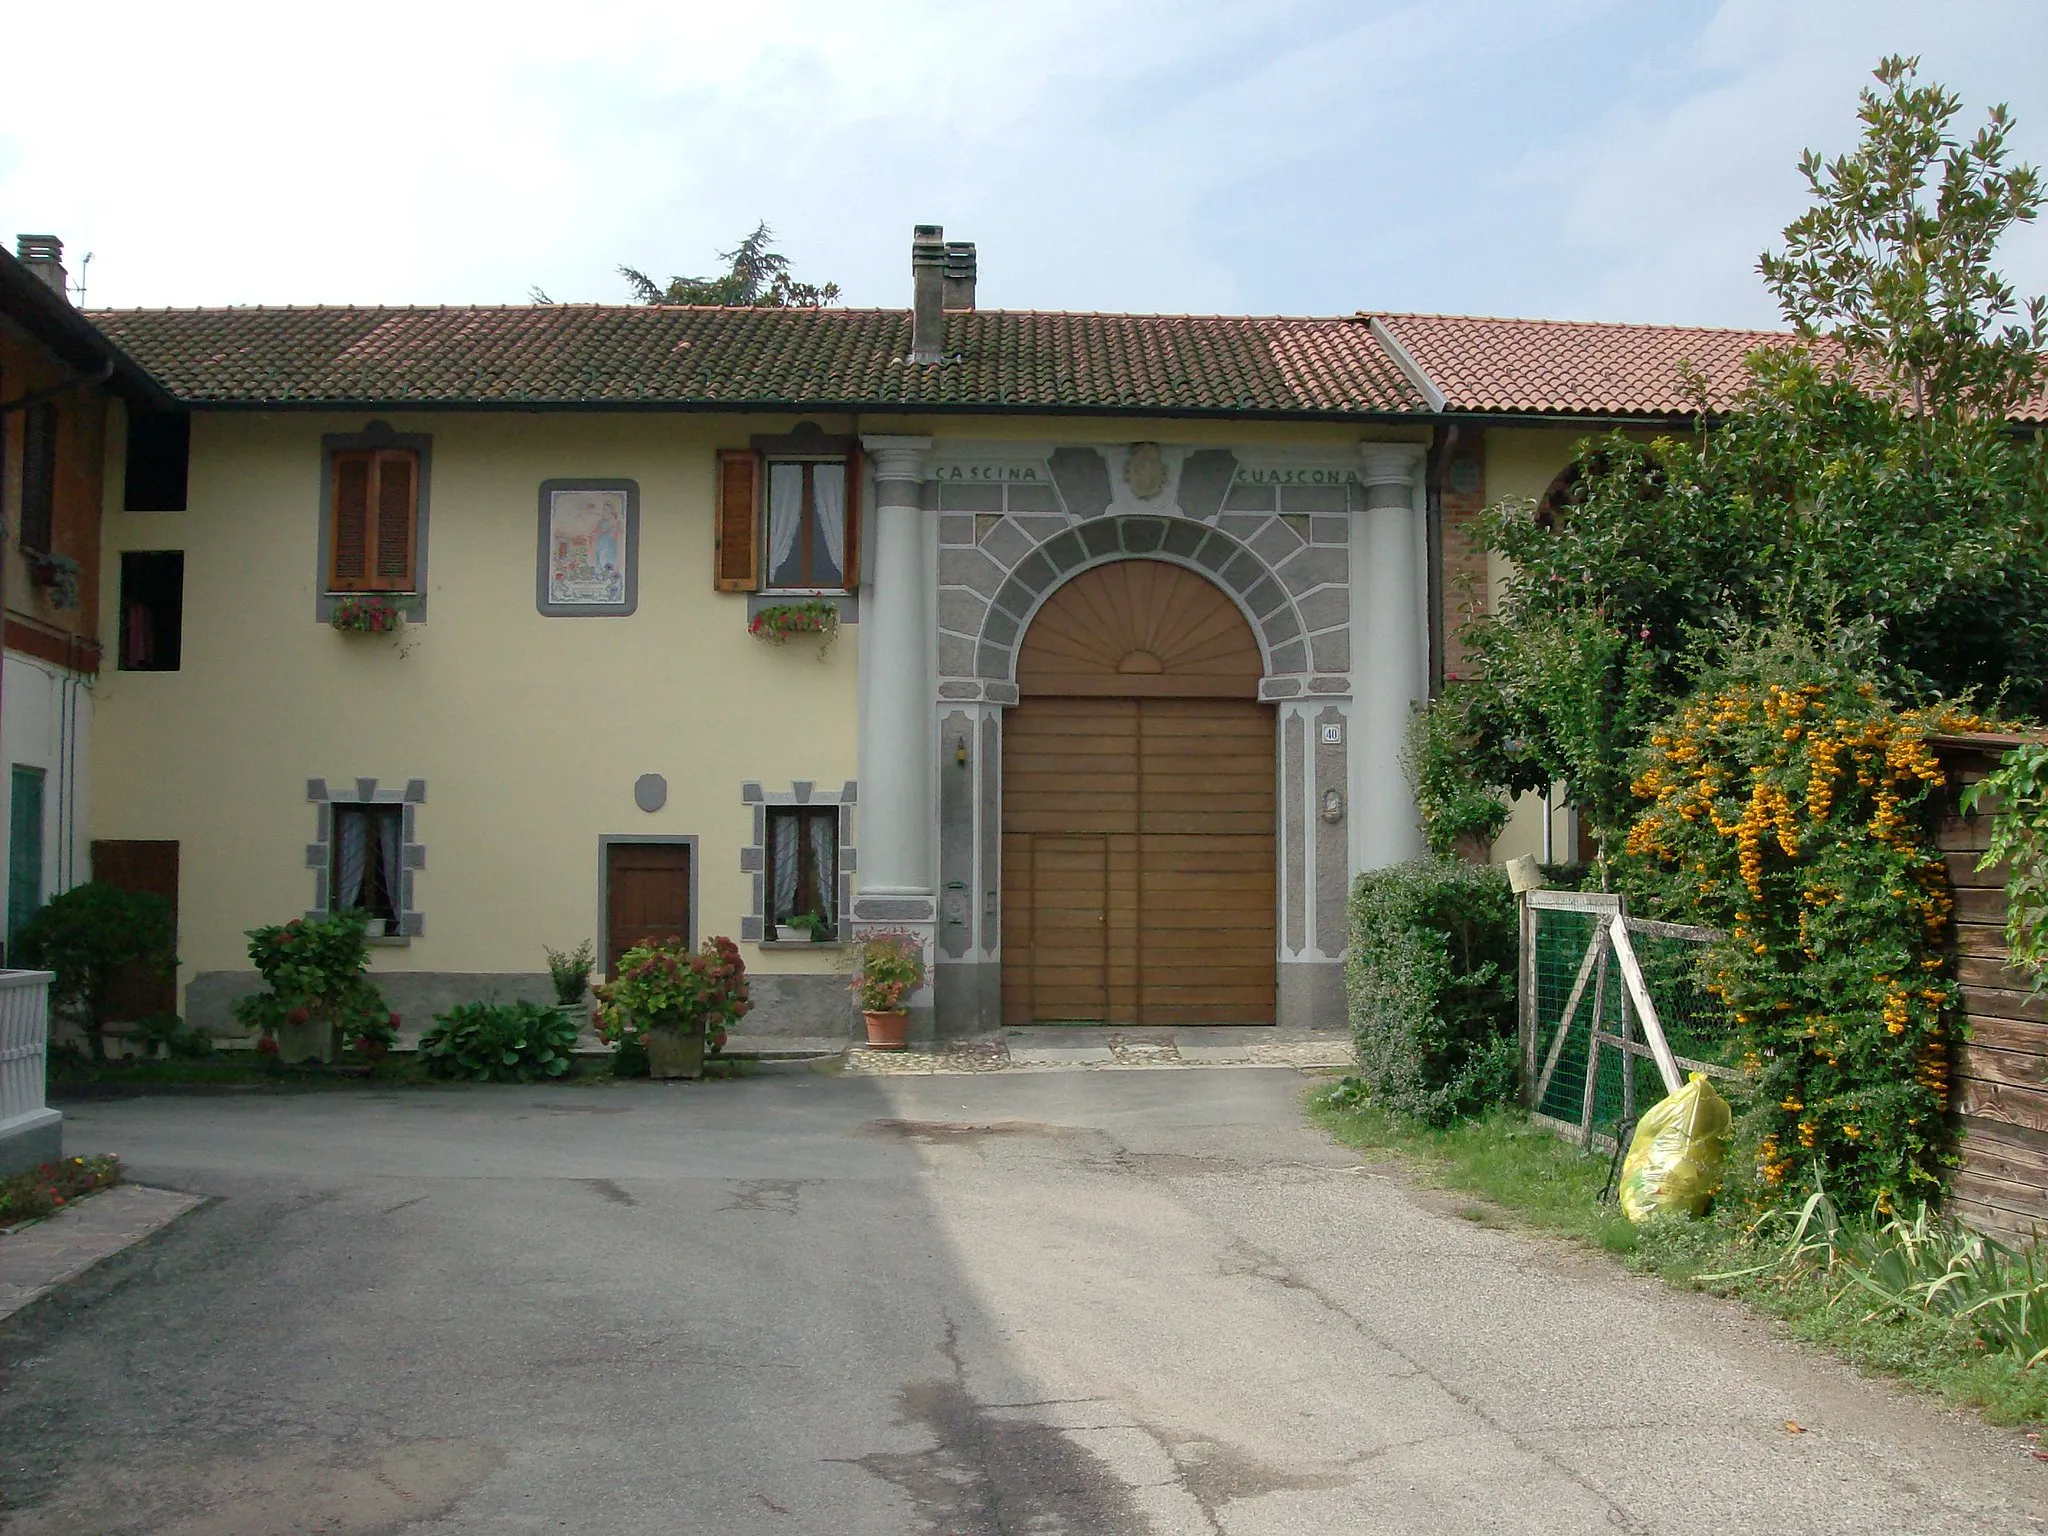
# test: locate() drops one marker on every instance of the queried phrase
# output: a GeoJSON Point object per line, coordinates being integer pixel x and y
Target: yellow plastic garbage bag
{"type": "Point", "coordinates": [1674, 1158]}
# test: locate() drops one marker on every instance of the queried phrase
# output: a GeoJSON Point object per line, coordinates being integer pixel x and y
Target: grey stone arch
{"type": "Point", "coordinates": [1264, 595]}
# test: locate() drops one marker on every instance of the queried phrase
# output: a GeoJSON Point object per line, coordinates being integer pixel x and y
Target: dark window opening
{"type": "Point", "coordinates": [159, 458]}
{"type": "Point", "coordinates": [364, 860]}
{"type": "Point", "coordinates": [803, 866]}
{"type": "Point", "coordinates": [152, 609]}
{"type": "Point", "coordinates": [807, 525]}
{"type": "Point", "coordinates": [38, 477]}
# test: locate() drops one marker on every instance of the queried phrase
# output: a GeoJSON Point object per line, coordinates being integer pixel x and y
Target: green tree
{"type": "Point", "coordinates": [1899, 273]}
{"type": "Point", "coordinates": [757, 276]}
{"type": "Point", "coordinates": [1865, 488]}
{"type": "Point", "coordinates": [89, 937]}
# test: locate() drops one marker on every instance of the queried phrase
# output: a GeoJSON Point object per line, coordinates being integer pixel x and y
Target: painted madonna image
{"type": "Point", "coordinates": [587, 547]}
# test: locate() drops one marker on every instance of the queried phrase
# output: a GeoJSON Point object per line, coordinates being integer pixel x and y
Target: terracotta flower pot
{"type": "Point", "coordinates": [675, 1053]}
{"type": "Point", "coordinates": [310, 1041]}
{"type": "Point", "coordinates": [888, 1031]}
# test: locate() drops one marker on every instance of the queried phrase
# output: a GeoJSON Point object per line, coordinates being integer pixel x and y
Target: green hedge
{"type": "Point", "coordinates": [1430, 984]}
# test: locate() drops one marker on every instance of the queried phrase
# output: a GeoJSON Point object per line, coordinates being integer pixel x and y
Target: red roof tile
{"type": "Point", "coordinates": [674, 357]}
{"type": "Point", "coordinates": [1574, 368]}
{"type": "Point", "coordinates": [638, 355]}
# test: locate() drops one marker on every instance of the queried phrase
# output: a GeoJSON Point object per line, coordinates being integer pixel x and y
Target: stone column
{"type": "Point", "coordinates": [895, 782]}
{"type": "Point", "coordinates": [1389, 651]}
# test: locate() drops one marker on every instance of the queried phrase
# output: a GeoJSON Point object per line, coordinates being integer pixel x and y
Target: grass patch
{"type": "Point", "coordinates": [46, 1189]}
{"type": "Point", "coordinates": [1536, 1180]}
{"type": "Point", "coordinates": [1500, 1157]}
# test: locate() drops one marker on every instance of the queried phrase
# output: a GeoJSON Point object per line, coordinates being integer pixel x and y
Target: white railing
{"type": "Point", "coordinates": [24, 1050]}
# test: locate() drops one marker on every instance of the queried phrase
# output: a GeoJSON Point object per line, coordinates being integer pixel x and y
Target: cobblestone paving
{"type": "Point", "coordinates": [35, 1258]}
{"type": "Point", "coordinates": [1096, 1050]}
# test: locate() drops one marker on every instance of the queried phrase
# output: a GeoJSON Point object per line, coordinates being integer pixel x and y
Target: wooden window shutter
{"type": "Point", "coordinates": [397, 520]}
{"type": "Point", "coordinates": [348, 564]}
{"type": "Point", "coordinates": [853, 467]}
{"type": "Point", "coordinates": [736, 559]}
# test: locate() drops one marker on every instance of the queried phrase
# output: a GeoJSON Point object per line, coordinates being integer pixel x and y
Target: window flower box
{"type": "Point", "coordinates": [779, 623]}
{"type": "Point", "coordinates": [367, 616]}
{"type": "Point", "coordinates": [57, 576]}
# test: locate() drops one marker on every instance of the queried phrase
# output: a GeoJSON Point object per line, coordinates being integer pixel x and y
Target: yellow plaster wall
{"type": "Point", "coordinates": [1521, 462]}
{"type": "Point", "coordinates": [529, 731]}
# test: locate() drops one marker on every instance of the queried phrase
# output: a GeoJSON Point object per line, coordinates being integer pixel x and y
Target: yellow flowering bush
{"type": "Point", "coordinates": [1789, 805]}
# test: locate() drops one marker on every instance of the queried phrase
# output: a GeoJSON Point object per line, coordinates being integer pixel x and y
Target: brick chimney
{"type": "Point", "coordinates": [44, 256]}
{"type": "Point", "coordinates": [959, 290]}
{"type": "Point", "coordinates": [928, 282]}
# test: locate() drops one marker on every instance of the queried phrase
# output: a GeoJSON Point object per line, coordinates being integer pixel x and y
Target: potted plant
{"type": "Point", "coordinates": [677, 1004]}
{"type": "Point", "coordinates": [57, 576]}
{"type": "Point", "coordinates": [317, 993]}
{"type": "Point", "coordinates": [888, 966]}
{"type": "Point", "coordinates": [569, 971]}
{"type": "Point", "coordinates": [809, 927]}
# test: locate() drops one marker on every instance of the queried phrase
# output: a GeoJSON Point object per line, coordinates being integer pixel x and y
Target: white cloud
{"type": "Point", "coordinates": [1589, 158]}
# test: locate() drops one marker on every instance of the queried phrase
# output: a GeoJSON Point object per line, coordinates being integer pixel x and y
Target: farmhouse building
{"type": "Point", "coordinates": [1131, 611]}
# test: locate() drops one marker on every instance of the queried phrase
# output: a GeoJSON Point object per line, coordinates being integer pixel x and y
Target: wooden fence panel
{"type": "Point", "coordinates": [2000, 1082]}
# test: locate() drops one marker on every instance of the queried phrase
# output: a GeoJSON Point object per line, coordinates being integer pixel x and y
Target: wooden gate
{"type": "Point", "coordinates": [1138, 809]}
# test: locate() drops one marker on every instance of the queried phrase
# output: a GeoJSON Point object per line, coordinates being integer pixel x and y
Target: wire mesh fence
{"type": "Point", "coordinates": [1604, 996]}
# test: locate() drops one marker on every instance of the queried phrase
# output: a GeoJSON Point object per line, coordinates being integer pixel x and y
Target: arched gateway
{"type": "Point", "coordinates": [1138, 808]}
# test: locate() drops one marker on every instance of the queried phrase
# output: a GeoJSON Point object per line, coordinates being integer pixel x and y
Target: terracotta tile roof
{"type": "Point", "coordinates": [1573, 368]}
{"type": "Point", "coordinates": [663, 356]}
{"type": "Point", "coordinates": [1583, 367]}
{"type": "Point", "coordinates": [670, 357]}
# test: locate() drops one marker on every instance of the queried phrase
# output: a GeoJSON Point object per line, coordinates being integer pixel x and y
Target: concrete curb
{"type": "Point", "coordinates": [36, 1259]}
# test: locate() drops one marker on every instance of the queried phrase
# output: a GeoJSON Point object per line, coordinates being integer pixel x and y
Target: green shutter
{"type": "Point", "coordinates": [24, 850]}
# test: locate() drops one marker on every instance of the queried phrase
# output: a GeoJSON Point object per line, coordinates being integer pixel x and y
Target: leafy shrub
{"type": "Point", "coordinates": [569, 971]}
{"type": "Point", "coordinates": [1791, 807]}
{"type": "Point", "coordinates": [90, 936]}
{"type": "Point", "coordinates": [663, 986]}
{"type": "Point", "coordinates": [2017, 794]}
{"type": "Point", "coordinates": [1431, 987]}
{"type": "Point", "coordinates": [166, 1034]}
{"type": "Point", "coordinates": [498, 1043]}
{"type": "Point", "coordinates": [51, 1186]}
{"type": "Point", "coordinates": [316, 971]}
{"type": "Point", "coordinates": [1438, 758]}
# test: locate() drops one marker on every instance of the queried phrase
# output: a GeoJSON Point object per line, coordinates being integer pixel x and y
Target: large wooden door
{"type": "Point", "coordinates": [647, 896]}
{"type": "Point", "coordinates": [149, 866]}
{"type": "Point", "coordinates": [1138, 805]}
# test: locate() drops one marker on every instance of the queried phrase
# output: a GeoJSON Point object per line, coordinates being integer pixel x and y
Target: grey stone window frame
{"type": "Point", "coordinates": [619, 610]}
{"type": "Point", "coordinates": [412, 853]}
{"type": "Point", "coordinates": [754, 855]}
{"type": "Point", "coordinates": [378, 434]}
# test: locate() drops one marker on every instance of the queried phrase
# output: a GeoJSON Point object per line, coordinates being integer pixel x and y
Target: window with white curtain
{"type": "Point", "coordinates": [806, 525]}
{"type": "Point", "coordinates": [803, 865]}
{"type": "Point", "coordinates": [365, 859]}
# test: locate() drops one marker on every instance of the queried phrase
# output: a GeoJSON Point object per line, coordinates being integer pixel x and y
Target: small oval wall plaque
{"type": "Point", "coordinates": [650, 791]}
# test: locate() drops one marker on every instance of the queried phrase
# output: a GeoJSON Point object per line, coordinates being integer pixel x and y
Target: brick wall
{"type": "Point", "coordinates": [1464, 562]}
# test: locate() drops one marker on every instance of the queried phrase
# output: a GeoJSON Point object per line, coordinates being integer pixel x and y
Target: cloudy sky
{"type": "Point", "coordinates": [1604, 159]}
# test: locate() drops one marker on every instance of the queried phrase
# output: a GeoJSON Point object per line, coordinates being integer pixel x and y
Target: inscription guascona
{"type": "Point", "coordinates": [1296, 474]}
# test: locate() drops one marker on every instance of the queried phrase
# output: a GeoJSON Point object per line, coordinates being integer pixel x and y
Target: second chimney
{"type": "Point", "coordinates": [44, 256]}
{"type": "Point", "coordinates": [928, 283]}
{"type": "Point", "coordinates": [959, 274]}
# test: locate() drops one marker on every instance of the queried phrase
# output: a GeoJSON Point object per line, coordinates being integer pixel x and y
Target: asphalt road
{"type": "Point", "coordinates": [1087, 1302]}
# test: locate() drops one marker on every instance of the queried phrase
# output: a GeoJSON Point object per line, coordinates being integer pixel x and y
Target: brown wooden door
{"type": "Point", "coordinates": [647, 896]}
{"type": "Point", "coordinates": [1138, 783]}
{"type": "Point", "coordinates": [150, 867]}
